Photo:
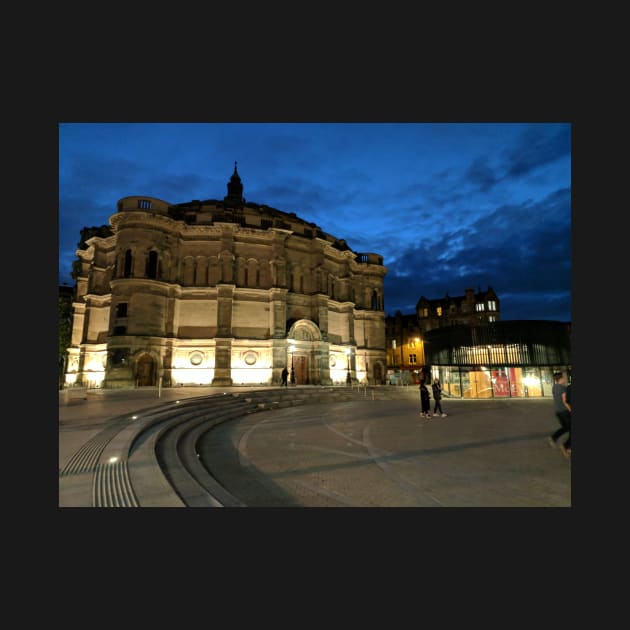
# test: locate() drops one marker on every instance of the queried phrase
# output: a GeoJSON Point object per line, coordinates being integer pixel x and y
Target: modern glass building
{"type": "Point", "coordinates": [506, 359]}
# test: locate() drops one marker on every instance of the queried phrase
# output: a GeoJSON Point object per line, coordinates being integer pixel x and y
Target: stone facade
{"type": "Point", "coordinates": [470, 309]}
{"type": "Point", "coordinates": [223, 293]}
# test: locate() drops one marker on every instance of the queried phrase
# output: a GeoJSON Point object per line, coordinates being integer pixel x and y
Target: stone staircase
{"type": "Point", "coordinates": [149, 458]}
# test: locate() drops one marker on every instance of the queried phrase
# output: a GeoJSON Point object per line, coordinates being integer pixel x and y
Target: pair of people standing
{"type": "Point", "coordinates": [425, 399]}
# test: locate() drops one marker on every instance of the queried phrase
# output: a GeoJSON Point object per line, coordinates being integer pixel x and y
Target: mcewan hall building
{"type": "Point", "coordinates": [231, 292]}
{"type": "Point", "coordinates": [222, 293]}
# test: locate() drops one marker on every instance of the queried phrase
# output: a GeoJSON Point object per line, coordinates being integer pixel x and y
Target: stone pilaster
{"type": "Point", "coordinates": [322, 315]}
{"type": "Point", "coordinates": [222, 363]}
{"type": "Point", "coordinates": [225, 295]}
{"type": "Point", "coordinates": [278, 313]}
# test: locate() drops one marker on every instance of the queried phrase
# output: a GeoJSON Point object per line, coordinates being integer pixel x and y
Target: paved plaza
{"type": "Point", "coordinates": [361, 452]}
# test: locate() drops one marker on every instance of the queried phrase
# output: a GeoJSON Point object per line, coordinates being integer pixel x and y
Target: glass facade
{"type": "Point", "coordinates": [509, 359]}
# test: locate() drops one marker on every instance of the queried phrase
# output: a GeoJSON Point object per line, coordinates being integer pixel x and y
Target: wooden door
{"type": "Point", "coordinates": [145, 374]}
{"type": "Point", "coordinates": [301, 370]}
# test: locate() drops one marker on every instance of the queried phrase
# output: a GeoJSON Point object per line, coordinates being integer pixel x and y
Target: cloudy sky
{"type": "Point", "coordinates": [447, 205]}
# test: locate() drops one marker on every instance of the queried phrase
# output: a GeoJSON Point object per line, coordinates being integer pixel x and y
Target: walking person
{"type": "Point", "coordinates": [437, 396]}
{"type": "Point", "coordinates": [425, 402]}
{"type": "Point", "coordinates": [285, 375]}
{"type": "Point", "coordinates": [562, 408]}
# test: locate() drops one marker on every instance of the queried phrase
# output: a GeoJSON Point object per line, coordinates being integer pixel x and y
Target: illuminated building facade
{"type": "Point", "coordinates": [461, 341]}
{"type": "Point", "coordinates": [470, 309]}
{"type": "Point", "coordinates": [222, 293]}
{"type": "Point", "coordinates": [509, 359]}
{"type": "Point", "coordinates": [405, 333]}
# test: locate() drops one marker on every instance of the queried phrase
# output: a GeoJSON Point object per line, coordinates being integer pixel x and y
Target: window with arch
{"type": "Point", "coordinates": [128, 264]}
{"type": "Point", "coordinates": [152, 265]}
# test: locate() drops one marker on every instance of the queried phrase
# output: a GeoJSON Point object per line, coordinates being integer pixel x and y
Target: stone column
{"type": "Point", "coordinates": [222, 363]}
{"type": "Point", "coordinates": [225, 295]}
{"type": "Point", "coordinates": [278, 313]}
{"type": "Point", "coordinates": [223, 340]}
{"type": "Point", "coordinates": [322, 315]}
{"type": "Point", "coordinates": [349, 312]}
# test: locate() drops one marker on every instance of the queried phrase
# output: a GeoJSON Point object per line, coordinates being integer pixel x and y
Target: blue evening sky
{"type": "Point", "coordinates": [448, 205]}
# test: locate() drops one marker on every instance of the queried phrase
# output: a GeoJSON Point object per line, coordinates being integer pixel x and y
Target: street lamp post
{"type": "Point", "coordinates": [348, 377]}
{"type": "Point", "coordinates": [292, 350]}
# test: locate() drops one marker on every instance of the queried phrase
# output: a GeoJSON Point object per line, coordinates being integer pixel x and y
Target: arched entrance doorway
{"type": "Point", "coordinates": [304, 335]}
{"type": "Point", "coordinates": [145, 371]}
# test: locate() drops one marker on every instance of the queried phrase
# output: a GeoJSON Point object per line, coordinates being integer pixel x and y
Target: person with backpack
{"type": "Point", "coordinates": [437, 396]}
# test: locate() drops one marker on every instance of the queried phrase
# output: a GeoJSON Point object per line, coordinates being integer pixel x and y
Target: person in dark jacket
{"type": "Point", "coordinates": [425, 402]}
{"type": "Point", "coordinates": [562, 408]}
{"type": "Point", "coordinates": [437, 396]}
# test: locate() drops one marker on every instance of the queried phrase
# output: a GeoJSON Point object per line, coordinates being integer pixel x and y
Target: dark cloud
{"type": "Point", "coordinates": [447, 206]}
{"type": "Point", "coordinates": [502, 250]}
{"type": "Point", "coordinates": [480, 175]}
{"type": "Point", "coordinates": [535, 149]}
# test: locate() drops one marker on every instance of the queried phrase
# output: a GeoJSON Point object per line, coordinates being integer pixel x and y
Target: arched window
{"type": "Point", "coordinates": [128, 264]}
{"type": "Point", "coordinates": [152, 266]}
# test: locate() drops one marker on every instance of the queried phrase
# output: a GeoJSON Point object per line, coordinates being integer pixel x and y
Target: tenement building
{"type": "Point", "coordinates": [223, 293]}
{"type": "Point", "coordinates": [469, 309]}
{"type": "Point", "coordinates": [405, 333]}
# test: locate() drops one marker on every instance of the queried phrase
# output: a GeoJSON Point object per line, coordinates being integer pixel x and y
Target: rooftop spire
{"type": "Point", "coordinates": [234, 189]}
